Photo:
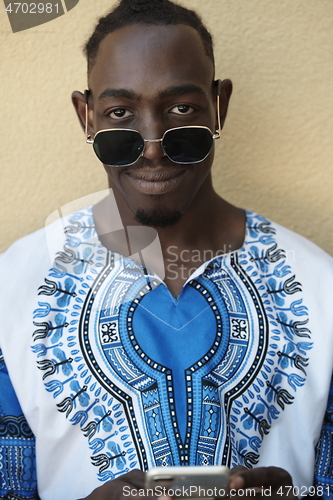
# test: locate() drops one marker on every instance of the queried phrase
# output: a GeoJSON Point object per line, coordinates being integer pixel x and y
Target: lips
{"type": "Point", "coordinates": [156, 176]}
{"type": "Point", "coordinates": [156, 181]}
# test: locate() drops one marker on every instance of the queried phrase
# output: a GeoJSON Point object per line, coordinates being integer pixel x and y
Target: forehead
{"type": "Point", "coordinates": [149, 58]}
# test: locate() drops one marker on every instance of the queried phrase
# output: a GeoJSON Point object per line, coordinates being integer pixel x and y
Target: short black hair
{"type": "Point", "coordinates": [156, 12]}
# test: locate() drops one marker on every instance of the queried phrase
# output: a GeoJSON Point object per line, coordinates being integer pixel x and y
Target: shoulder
{"type": "Point", "coordinates": [25, 264]}
{"type": "Point", "coordinates": [22, 268]}
{"type": "Point", "coordinates": [36, 252]}
{"type": "Point", "coordinates": [297, 248]}
{"type": "Point", "coordinates": [293, 261]}
{"type": "Point", "coordinates": [25, 257]}
{"type": "Point", "coordinates": [24, 246]}
{"type": "Point", "coordinates": [28, 260]}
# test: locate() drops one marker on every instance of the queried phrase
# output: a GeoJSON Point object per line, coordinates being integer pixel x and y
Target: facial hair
{"type": "Point", "coordinates": [158, 217]}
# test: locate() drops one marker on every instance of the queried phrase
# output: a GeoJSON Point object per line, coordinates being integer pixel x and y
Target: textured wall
{"type": "Point", "coordinates": [276, 155]}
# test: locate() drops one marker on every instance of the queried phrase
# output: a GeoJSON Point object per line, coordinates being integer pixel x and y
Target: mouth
{"type": "Point", "coordinates": [156, 181]}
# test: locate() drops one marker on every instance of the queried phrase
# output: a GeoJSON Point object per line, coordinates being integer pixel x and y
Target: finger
{"type": "Point", "coordinates": [135, 478]}
{"type": "Point", "coordinates": [124, 487]}
{"type": "Point", "coordinates": [238, 468]}
{"type": "Point", "coordinates": [237, 481]}
{"type": "Point", "coordinates": [260, 477]}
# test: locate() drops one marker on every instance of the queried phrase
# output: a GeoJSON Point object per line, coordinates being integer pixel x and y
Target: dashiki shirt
{"type": "Point", "coordinates": [113, 373]}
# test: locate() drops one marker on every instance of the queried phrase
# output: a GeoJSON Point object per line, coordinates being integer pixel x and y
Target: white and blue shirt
{"type": "Point", "coordinates": [111, 372]}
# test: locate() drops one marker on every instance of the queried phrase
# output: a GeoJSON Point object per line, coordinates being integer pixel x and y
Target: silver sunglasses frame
{"type": "Point", "coordinates": [217, 135]}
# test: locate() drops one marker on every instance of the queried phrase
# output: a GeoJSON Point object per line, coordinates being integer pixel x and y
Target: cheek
{"type": "Point", "coordinates": [113, 177]}
{"type": "Point", "coordinates": [206, 165]}
{"type": "Point", "coordinates": [121, 184]}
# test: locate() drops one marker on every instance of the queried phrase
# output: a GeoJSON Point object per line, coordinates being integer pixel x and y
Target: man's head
{"type": "Point", "coordinates": [152, 77]}
{"type": "Point", "coordinates": [147, 12]}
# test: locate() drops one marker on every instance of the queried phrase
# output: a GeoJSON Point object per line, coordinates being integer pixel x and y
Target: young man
{"type": "Point", "coordinates": [227, 360]}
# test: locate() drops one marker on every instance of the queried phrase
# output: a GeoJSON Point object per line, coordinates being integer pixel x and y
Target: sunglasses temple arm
{"type": "Point", "coordinates": [89, 140]}
{"type": "Point", "coordinates": [218, 92]}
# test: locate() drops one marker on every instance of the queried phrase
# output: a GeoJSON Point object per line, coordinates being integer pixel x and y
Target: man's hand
{"type": "Point", "coordinates": [114, 490]}
{"type": "Point", "coordinates": [270, 482]}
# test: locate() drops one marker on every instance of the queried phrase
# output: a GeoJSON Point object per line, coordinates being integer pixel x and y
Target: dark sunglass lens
{"type": "Point", "coordinates": [118, 148]}
{"type": "Point", "coordinates": [188, 145]}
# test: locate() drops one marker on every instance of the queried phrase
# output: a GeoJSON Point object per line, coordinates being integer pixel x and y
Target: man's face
{"type": "Point", "coordinates": [151, 79]}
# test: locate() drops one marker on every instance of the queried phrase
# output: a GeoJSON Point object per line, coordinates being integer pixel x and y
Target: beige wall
{"type": "Point", "coordinates": [276, 155]}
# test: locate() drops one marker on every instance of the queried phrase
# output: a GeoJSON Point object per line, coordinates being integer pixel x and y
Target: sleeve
{"type": "Point", "coordinates": [324, 454]}
{"type": "Point", "coordinates": [17, 445]}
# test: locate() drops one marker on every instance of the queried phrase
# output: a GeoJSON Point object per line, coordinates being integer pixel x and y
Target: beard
{"type": "Point", "coordinates": [158, 217]}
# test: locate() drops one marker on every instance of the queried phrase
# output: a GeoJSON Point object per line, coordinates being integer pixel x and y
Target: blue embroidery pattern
{"type": "Point", "coordinates": [324, 456]}
{"type": "Point", "coordinates": [101, 316]}
{"type": "Point", "coordinates": [17, 446]}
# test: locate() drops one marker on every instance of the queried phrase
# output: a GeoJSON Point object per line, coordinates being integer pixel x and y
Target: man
{"type": "Point", "coordinates": [228, 361]}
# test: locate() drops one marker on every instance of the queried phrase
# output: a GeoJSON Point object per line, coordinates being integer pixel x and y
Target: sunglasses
{"type": "Point", "coordinates": [123, 147]}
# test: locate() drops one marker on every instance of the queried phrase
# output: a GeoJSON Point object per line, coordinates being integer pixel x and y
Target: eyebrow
{"type": "Point", "coordinates": [177, 90]}
{"type": "Point", "coordinates": [119, 94]}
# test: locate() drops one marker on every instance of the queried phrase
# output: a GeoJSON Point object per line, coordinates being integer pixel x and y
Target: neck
{"type": "Point", "coordinates": [210, 227]}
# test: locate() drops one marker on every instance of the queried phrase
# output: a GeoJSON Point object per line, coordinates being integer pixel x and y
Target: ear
{"type": "Point", "coordinates": [79, 103]}
{"type": "Point", "coordinates": [224, 89]}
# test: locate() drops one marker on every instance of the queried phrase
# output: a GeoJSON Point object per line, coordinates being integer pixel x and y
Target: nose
{"type": "Point", "coordinates": [153, 149]}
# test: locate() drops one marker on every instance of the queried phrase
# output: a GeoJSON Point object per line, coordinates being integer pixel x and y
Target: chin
{"type": "Point", "coordinates": [158, 217]}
